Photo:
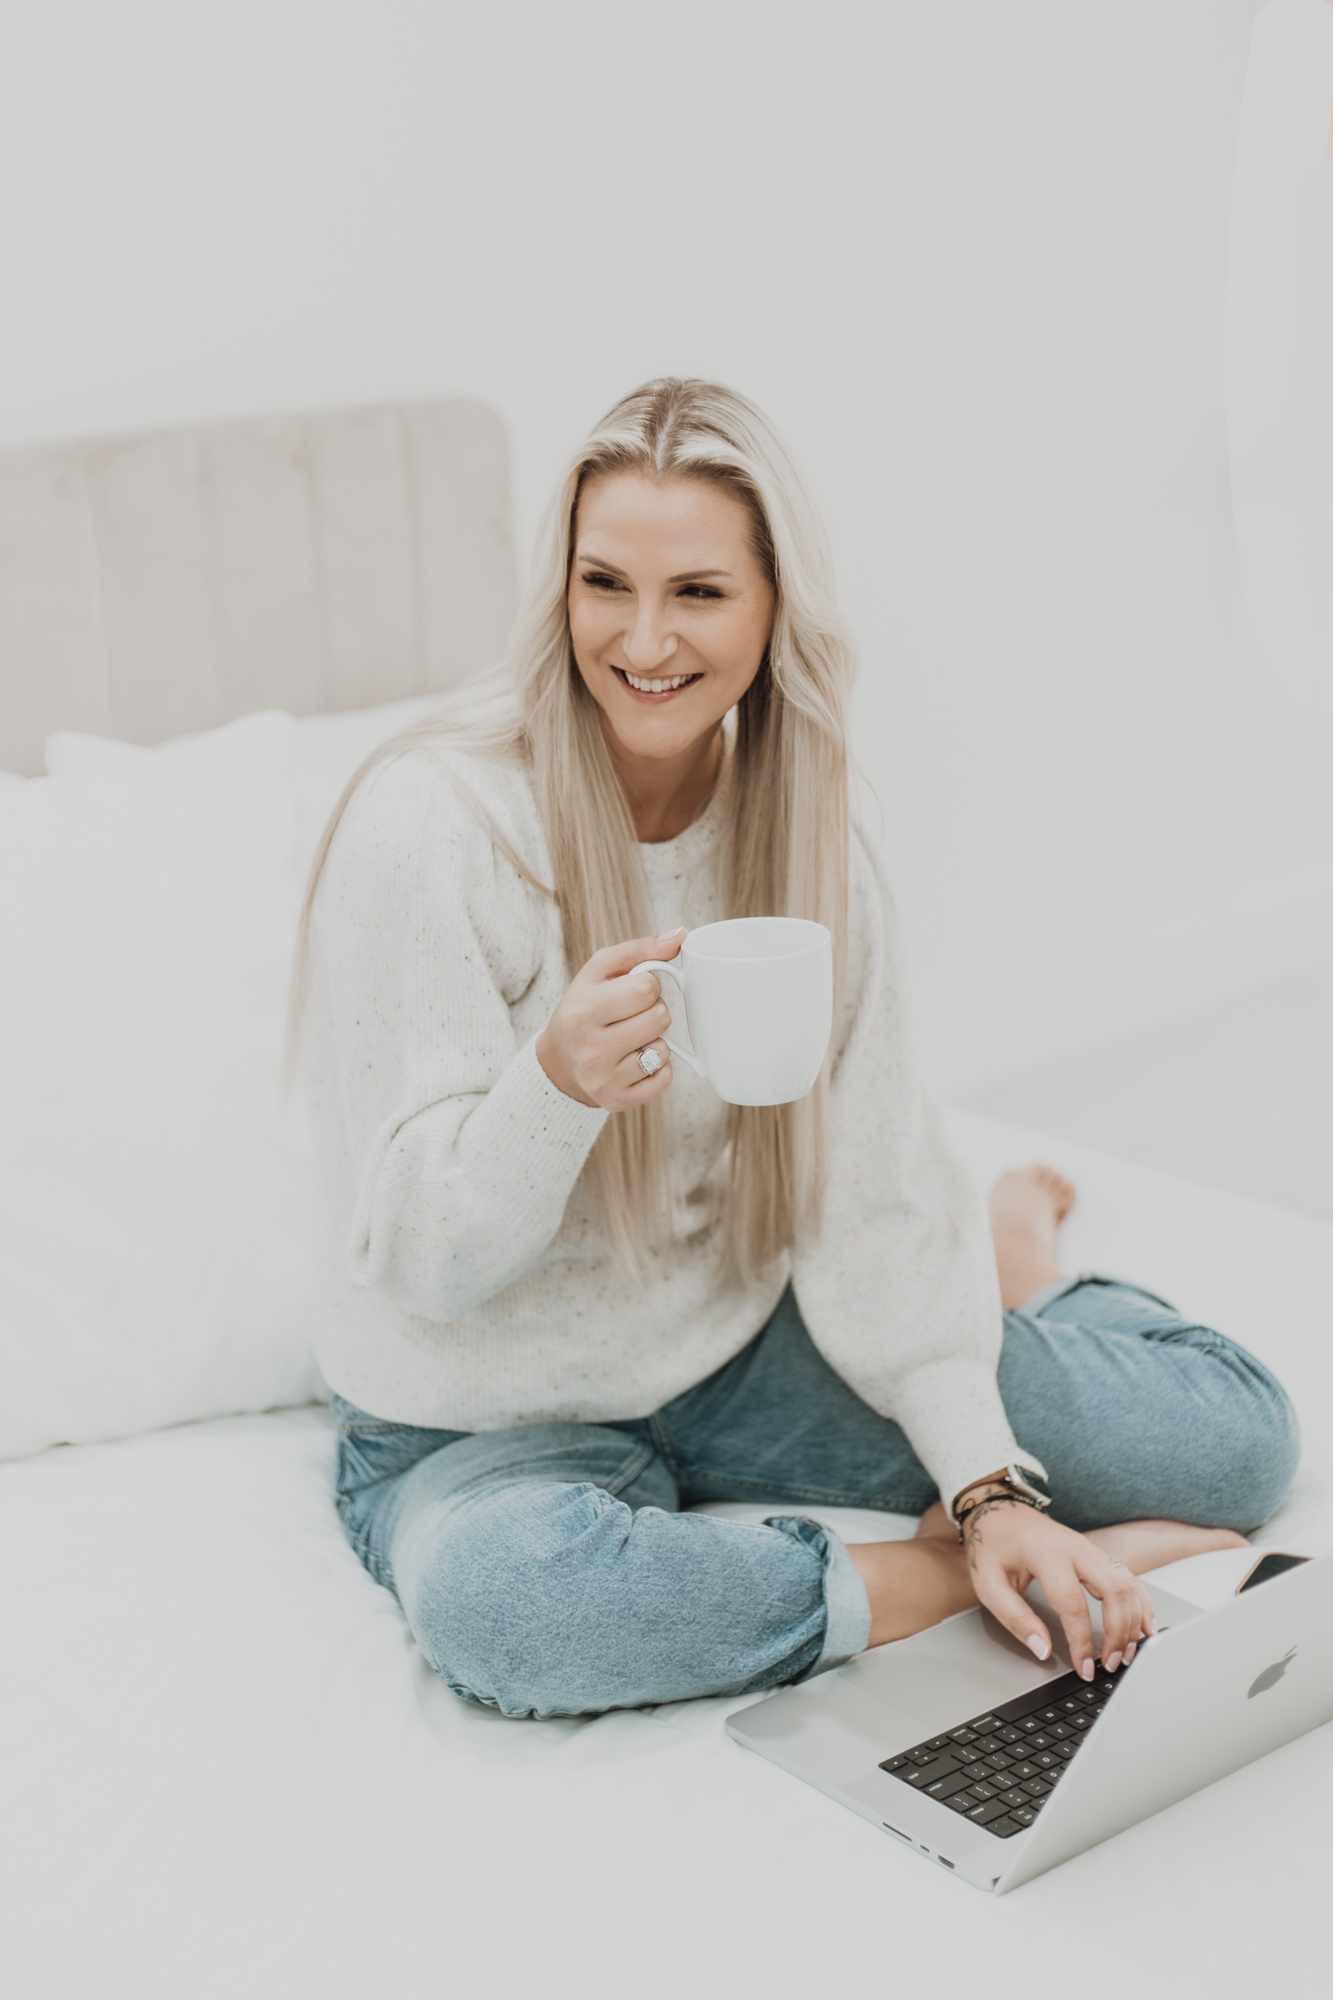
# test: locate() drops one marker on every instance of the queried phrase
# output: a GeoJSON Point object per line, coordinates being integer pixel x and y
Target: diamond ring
{"type": "Point", "coordinates": [649, 1061]}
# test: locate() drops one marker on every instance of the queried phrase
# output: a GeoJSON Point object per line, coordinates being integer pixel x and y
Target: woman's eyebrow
{"type": "Point", "coordinates": [686, 576]}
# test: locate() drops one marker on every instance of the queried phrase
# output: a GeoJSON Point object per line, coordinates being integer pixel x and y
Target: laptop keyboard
{"type": "Point", "coordinates": [999, 1769]}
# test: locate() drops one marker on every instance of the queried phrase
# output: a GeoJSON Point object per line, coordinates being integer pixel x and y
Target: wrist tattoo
{"type": "Point", "coordinates": [979, 1507]}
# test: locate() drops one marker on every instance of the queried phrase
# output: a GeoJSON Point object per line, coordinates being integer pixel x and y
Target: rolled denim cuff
{"type": "Point", "coordinates": [846, 1605]}
{"type": "Point", "coordinates": [848, 1628]}
{"type": "Point", "coordinates": [1039, 1301]}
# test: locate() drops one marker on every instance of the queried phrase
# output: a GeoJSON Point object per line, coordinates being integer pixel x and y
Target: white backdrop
{"type": "Point", "coordinates": [970, 255]}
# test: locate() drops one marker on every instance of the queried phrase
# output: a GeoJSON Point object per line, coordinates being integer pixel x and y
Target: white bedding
{"type": "Point", "coordinates": [227, 1770]}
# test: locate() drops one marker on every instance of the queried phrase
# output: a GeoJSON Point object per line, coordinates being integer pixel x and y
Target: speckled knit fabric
{"type": "Point", "coordinates": [465, 1283]}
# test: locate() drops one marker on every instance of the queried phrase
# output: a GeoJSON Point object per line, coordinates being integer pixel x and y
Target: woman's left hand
{"type": "Point", "coordinates": [1010, 1546]}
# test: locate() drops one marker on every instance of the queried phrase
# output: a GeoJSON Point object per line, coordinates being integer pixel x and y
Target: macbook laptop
{"type": "Point", "coordinates": [964, 1748]}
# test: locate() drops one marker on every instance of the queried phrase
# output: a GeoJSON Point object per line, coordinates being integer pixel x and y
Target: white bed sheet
{"type": "Point", "coordinates": [228, 1770]}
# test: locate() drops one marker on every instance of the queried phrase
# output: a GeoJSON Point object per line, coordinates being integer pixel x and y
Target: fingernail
{"type": "Point", "coordinates": [1086, 1670]}
{"type": "Point", "coordinates": [667, 936]}
{"type": "Point", "coordinates": [1111, 1664]}
{"type": "Point", "coordinates": [1152, 1628]}
{"type": "Point", "coordinates": [1041, 1647]}
{"type": "Point", "coordinates": [1130, 1650]}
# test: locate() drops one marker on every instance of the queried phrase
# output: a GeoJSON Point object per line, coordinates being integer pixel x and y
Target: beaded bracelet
{"type": "Point", "coordinates": [1019, 1499]}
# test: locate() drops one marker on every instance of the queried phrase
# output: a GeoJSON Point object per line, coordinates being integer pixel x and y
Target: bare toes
{"type": "Point", "coordinates": [1060, 1190]}
{"type": "Point", "coordinates": [1032, 1191]}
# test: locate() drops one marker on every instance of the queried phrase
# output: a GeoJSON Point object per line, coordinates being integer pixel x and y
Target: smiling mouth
{"type": "Point", "coordinates": [655, 690]}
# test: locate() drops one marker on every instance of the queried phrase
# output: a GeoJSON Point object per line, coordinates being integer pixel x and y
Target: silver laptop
{"type": "Point", "coordinates": [963, 1748]}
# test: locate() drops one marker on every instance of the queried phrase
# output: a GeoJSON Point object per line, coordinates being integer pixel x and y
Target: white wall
{"type": "Point", "coordinates": [969, 253]}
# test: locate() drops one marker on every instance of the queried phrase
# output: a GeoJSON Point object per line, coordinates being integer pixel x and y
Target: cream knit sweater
{"type": "Point", "coordinates": [465, 1283]}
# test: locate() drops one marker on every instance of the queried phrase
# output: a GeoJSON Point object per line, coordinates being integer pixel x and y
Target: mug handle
{"type": "Point", "coordinates": [672, 971]}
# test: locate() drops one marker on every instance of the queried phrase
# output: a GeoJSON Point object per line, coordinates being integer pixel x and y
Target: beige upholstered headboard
{"type": "Point", "coordinates": [169, 581]}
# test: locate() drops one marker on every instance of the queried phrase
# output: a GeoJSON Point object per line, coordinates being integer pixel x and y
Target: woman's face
{"type": "Point", "coordinates": [669, 609]}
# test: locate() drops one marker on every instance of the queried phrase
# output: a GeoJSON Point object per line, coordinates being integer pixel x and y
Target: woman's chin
{"type": "Point", "coordinates": [662, 731]}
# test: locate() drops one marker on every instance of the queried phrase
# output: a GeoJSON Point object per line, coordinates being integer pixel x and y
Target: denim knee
{"type": "Point", "coordinates": [494, 1587]}
{"type": "Point", "coordinates": [1266, 1449]}
{"type": "Point", "coordinates": [545, 1599]}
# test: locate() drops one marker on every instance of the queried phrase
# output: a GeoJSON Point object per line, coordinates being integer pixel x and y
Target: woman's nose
{"type": "Point", "coordinates": [649, 642]}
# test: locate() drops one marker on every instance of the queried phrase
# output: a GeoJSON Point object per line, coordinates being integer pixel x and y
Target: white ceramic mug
{"type": "Point", "coordinates": [758, 1005]}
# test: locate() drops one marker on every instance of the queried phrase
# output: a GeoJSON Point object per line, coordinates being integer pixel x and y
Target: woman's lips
{"type": "Point", "coordinates": [667, 694]}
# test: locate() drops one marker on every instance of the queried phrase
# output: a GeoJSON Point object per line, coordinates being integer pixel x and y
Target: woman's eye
{"type": "Point", "coordinates": [600, 582]}
{"type": "Point", "coordinates": [700, 590]}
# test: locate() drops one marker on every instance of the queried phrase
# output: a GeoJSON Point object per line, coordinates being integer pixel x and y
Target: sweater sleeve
{"type": "Point", "coordinates": [424, 938]}
{"type": "Point", "coordinates": [900, 1292]}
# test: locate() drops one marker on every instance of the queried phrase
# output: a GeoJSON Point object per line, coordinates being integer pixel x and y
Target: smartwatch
{"type": "Point", "coordinates": [1020, 1477]}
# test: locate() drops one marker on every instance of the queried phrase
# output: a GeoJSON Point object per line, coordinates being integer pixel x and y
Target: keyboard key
{"type": "Point", "coordinates": [965, 1753]}
{"type": "Point", "coordinates": [1023, 1814]}
{"type": "Point", "coordinates": [1024, 1770]}
{"type": "Point", "coordinates": [984, 1724]}
{"type": "Point", "coordinates": [1000, 1763]}
{"type": "Point", "coordinates": [1049, 1714]}
{"type": "Point", "coordinates": [1086, 1694]}
{"type": "Point", "coordinates": [936, 1743]}
{"type": "Point", "coordinates": [1070, 1706]}
{"type": "Point", "coordinates": [1044, 1759]}
{"type": "Point", "coordinates": [982, 1815]}
{"type": "Point", "coordinates": [980, 1791]}
{"type": "Point", "coordinates": [1059, 1730]}
{"type": "Point", "coordinates": [962, 1735]}
{"type": "Point", "coordinates": [918, 1779]}
{"type": "Point", "coordinates": [1066, 1750]}
{"type": "Point", "coordinates": [1015, 1797]}
{"type": "Point", "coordinates": [1037, 1788]}
{"type": "Point", "coordinates": [961, 1804]}
{"type": "Point", "coordinates": [923, 1756]}
{"type": "Point", "coordinates": [894, 1763]}
{"type": "Point", "coordinates": [1041, 1741]}
{"type": "Point", "coordinates": [988, 1745]}
{"type": "Point", "coordinates": [1004, 1827]}
{"type": "Point", "coordinates": [1084, 1721]}
{"type": "Point", "coordinates": [944, 1788]}
{"type": "Point", "coordinates": [1009, 1734]}
{"type": "Point", "coordinates": [1028, 1724]}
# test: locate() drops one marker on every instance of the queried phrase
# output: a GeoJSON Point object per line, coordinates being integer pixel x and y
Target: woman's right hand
{"type": "Point", "coordinates": [589, 1047]}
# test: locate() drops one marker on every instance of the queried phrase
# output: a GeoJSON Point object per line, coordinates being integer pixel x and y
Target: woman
{"type": "Point", "coordinates": [567, 1291]}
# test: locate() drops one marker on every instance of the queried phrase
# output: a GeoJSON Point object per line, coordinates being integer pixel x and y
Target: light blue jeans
{"type": "Point", "coordinates": [549, 1570]}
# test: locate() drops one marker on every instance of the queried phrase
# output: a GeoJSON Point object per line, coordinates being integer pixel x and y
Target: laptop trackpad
{"type": "Point", "coordinates": [825, 1731]}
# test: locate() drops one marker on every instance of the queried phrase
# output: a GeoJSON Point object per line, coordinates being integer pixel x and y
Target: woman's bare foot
{"type": "Point", "coordinates": [1141, 1545]}
{"type": "Point", "coordinates": [1027, 1206]}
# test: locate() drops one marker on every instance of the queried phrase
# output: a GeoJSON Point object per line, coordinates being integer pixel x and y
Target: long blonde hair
{"type": "Point", "coordinates": [785, 828]}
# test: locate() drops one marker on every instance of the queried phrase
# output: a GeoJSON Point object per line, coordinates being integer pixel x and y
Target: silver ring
{"type": "Point", "coordinates": [649, 1061]}
{"type": "Point", "coordinates": [1116, 1563]}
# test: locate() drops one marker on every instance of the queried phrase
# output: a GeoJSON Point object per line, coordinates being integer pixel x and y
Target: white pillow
{"type": "Point", "coordinates": [154, 1190]}
{"type": "Point", "coordinates": [326, 750]}
{"type": "Point", "coordinates": [154, 1185]}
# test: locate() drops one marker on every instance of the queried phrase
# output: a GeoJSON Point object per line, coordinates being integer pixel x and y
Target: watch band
{"type": "Point", "coordinates": [1017, 1477]}
{"type": "Point", "coordinates": [1020, 1477]}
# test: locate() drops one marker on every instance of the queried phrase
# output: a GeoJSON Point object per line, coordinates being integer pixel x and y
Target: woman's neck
{"type": "Point", "coordinates": [667, 794]}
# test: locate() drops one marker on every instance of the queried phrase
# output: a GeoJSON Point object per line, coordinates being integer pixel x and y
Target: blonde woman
{"type": "Point", "coordinates": [568, 1291]}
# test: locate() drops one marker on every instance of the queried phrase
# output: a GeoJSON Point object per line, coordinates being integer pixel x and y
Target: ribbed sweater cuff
{"type": "Point", "coordinates": [952, 1413]}
{"type": "Point", "coordinates": [551, 1135]}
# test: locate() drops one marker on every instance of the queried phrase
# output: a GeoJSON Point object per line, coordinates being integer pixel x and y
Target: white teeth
{"type": "Point", "coordinates": [655, 687]}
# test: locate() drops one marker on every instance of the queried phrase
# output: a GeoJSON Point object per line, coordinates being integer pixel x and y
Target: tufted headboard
{"type": "Point", "coordinates": [168, 581]}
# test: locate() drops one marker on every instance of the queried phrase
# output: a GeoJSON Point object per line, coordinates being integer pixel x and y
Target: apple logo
{"type": "Point", "coordinates": [1271, 1675]}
